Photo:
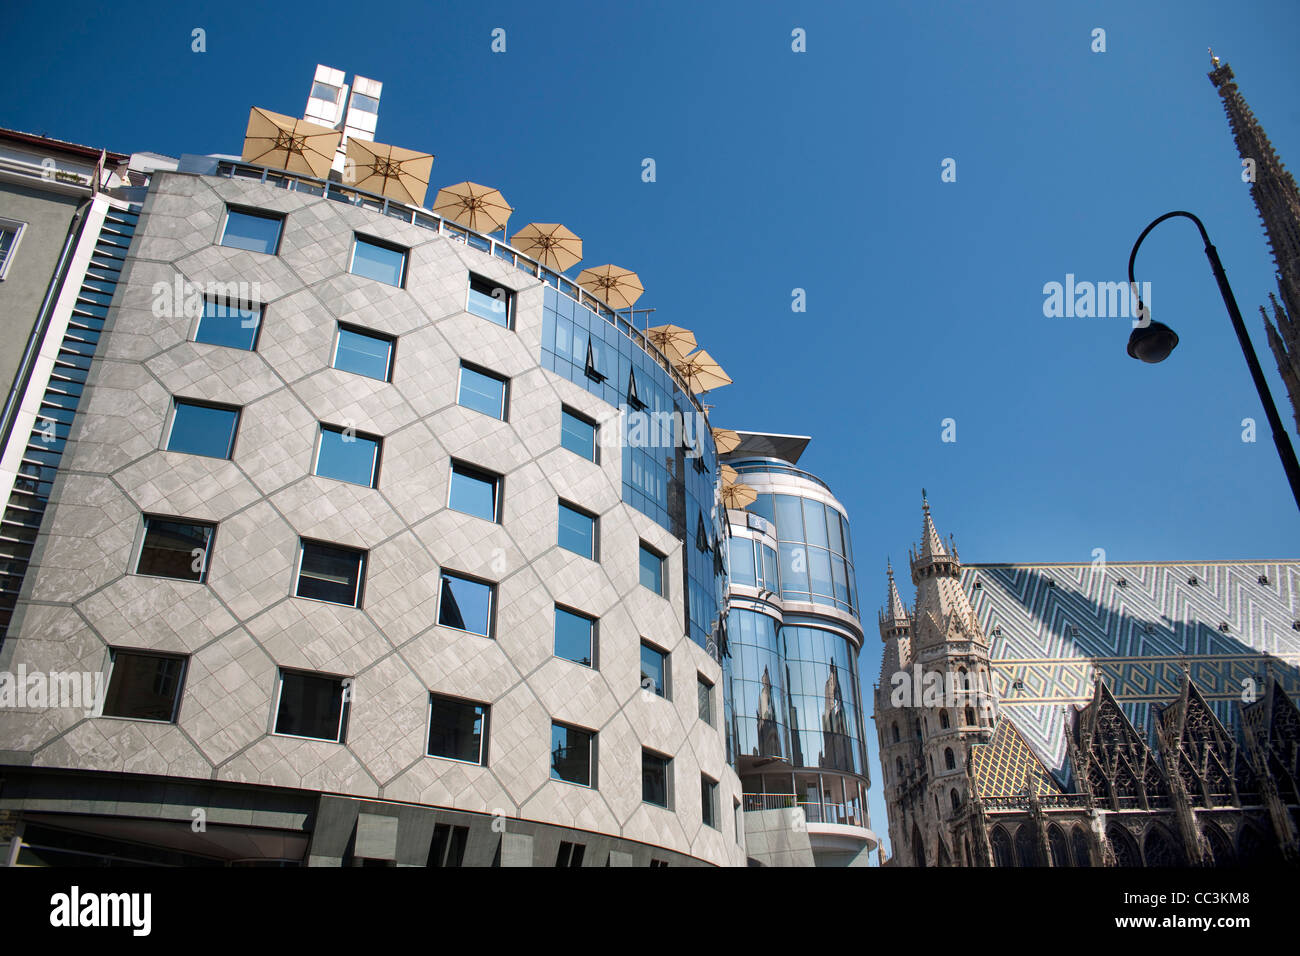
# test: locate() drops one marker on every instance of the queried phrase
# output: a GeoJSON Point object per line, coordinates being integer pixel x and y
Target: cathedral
{"type": "Point", "coordinates": [1278, 202]}
{"type": "Point", "coordinates": [1094, 714]}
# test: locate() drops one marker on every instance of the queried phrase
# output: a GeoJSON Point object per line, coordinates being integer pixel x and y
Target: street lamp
{"type": "Point", "coordinates": [1153, 341]}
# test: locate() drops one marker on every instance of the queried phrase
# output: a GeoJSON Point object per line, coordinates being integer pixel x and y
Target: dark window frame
{"type": "Point", "coordinates": [668, 778]}
{"type": "Point", "coordinates": [595, 636]}
{"type": "Point", "coordinates": [362, 565]}
{"type": "Point", "coordinates": [479, 279]}
{"type": "Point", "coordinates": [590, 423]}
{"type": "Point", "coordinates": [595, 529]}
{"type": "Point", "coordinates": [361, 237]}
{"type": "Point", "coordinates": [178, 401]}
{"type": "Point", "coordinates": [209, 299]}
{"type": "Point", "coordinates": [345, 707]}
{"type": "Point", "coordinates": [478, 473]}
{"type": "Point", "coordinates": [255, 213]}
{"type": "Point", "coordinates": [472, 579]}
{"type": "Point", "coordinates": [361, 330]}
{"type": "Point", "coordinates": [504, 415]}
{"type": "Point", "coordinates": [323, 427]}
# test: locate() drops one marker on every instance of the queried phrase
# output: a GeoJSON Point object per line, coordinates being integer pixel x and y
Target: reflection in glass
{"type": "Point", "coordinates": [251, 231]}
{"type": "Point", "coordinates": [363, 353]}
{"type": "Point", "coordinates": [144, 686]}
{"type": "Point", "coordinates": [456, 728]}
{"type": "Point", "coordinates": [573, 636]}
{"type": "Point", "coordinates": [571, 754]}
{"type": "Point", "coordinates": [374, 260]}
{"type": "Point", "coordinates": [199, 429]}
{"type": "Point", "coordinates": [466, 604]}
{"type": "Point", "coordinates": [654, 778]}
{"type": "Point", "coordinates": [473, 492]}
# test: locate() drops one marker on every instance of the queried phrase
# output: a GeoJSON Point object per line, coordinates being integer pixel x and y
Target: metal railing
{"type": "Point", "coordinates": [496, 248]}
{"type": "Point", "coordinates": [824, 811]}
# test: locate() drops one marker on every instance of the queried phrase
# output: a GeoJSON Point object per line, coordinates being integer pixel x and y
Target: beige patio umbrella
{"type": "Point", "coordinates": [702, 373]}
{"type": "Point", "coordinates": [401, 174]}
{"type": "Point", "coordinates": [729, 475]}
{"type": "Point", "coordinates": [726, 440]}
{"type": "Point", "coordinates": [738, 496]}
{"type": "Point", "coordinates": [618, 287]}
{"type": "Point", "coordinates": [674, 341]}
{"type": "Point", "coordinates": [481, 208]}
{"type": "Point", "coordinates": [294, 145]}
{"type": "Point", "coordinates": [553, 245]}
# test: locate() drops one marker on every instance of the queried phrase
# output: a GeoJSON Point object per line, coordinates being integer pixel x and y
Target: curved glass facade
{"type": "Point", "coordinates": [816, 553]}
{"type": "Point", "coordinates": [793, 694]}
{"type": "Point", "coordinates": [669, 459]}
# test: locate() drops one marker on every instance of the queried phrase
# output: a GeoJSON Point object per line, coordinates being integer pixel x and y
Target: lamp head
{"type": "Point", "coordinates": [1152, 342]}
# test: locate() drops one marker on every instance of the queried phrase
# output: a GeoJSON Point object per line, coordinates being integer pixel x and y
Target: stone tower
{"type": "Point", "coordinates": [1278, 202]}
{"type": "Point", "coordinates": [932, 703]}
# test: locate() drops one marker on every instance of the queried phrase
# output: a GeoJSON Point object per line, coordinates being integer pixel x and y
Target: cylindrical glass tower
{"type": "Point", "coordinates": [794, 711]}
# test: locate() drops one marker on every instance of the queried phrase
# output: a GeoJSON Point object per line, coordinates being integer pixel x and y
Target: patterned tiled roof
{"type": "Point", "coordinates": [1051, 627]}
{"type": "Point", "coordinates": [1004, 766]}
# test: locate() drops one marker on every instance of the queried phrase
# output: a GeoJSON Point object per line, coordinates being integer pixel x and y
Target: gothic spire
{"type": "Point", "coordinates": [1277, 201]}
{"type": "Point", "coordinates": [894, 621]}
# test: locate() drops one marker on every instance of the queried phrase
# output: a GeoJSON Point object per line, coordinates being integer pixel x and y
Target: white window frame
{"type": "Point", "coordinates": [361, 573]}
{"type": "Point", "coordinates": [343, 707]}
{"type": "Point", "coordinates": [342, 327]}
{"type": "Point", "coordinates": [482, 737]}
{"type": "Point", "coordinates": [17, 227]}
{"type": "Point", "coordinates": [358, 237]}
{"type": "Point", "coordinates": [503, 411]}
{"type": "Point", "coordinates": [378, 441]}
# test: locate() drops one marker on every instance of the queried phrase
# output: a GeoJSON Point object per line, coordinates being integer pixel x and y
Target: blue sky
{"type": "Point", "coordinates": [820, 170]}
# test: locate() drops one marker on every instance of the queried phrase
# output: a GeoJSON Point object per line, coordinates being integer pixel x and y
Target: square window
{"type": "Point", "coordinates": [572, 754]}
{"type": "Point", "coordinates": [490, 301]}
{"type": "Point", "coordinates": [705, 694]}
{"type": "Point", "coordinates": [654, 671]}
{"type": "Point", "coordinates": [348, 455]}
{"type": "Point", "coordinates": [575, 637]}
{"type": "Point", "coordinates": [252, 230]}
{"type": "Point", "coordinates": [11, 231]}
{"type": "Point", "coordinates": [466, 604]}
{"type": "Point", "coordinates": [144, 686]}
{"type": "Point", "coordinates": [329, 572]}
{"type": "Point", "coordinates": [324, 91]}
{"type": "Point", "coordinates": [652, 570]}
{"type": "Point", "coordinates": [482, 391]}
{"type": "Point", "coordinates": [577, 531]}
{"type": "Point", "coordinates": [709, 801]}
{"type": "Point", "coordinates": [457, 729]}
{"type": "Point", "coordinates": [578, 434]}
{"type": "Point", "coordinates": [202, 429]}
{"type": "Point", "coordinates": [364, 353]}
{"type": "Point", "coordinates": [377, 260]}
{"type": "Point", "coordinates": [312, 705]}
{"type": "Point", "coordinates": [473, 491]}
{"type": "Point", "coordinates": [230, 324]}
{"type": "Point", "coordinates": [175, 549]}
{"type": "Point", "coordinates": [655, 773]}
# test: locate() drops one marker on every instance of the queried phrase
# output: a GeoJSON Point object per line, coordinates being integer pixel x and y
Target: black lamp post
{"type": "Point", "coordinates": [1153, 341]}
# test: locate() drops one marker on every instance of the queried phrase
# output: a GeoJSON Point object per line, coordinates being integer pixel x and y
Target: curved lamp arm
{"type": "Point", "coordinates": [1132, 256]}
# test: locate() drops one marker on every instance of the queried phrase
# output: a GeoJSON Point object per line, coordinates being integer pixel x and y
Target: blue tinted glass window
{"type": "Point", "coordinates": [347, 456]}
{"type": "Point", "coordinates": [374, 260]}
{"type": "Point", "coordinates": [228, 324]}
{"type": "Point", "coordinates": [473, 492]}
{"type": "Point", "coordinates": [789, 518]}
{"type": "Point", "coordinates": [833, 528]}
{"type": "Point", "coordinates": [819, 570]}
{"type": "Point", "coordinates": [763, 507]}
{"type": "Point", "coordinates": [363, 353]}
{"type": "Point", "coordinates": [571, 754]}
{"type": "Point", "coordinates": [489, 301]}
{"type": "Point", "coordinates": [742, 562]}
{"type": "Point", "coordinates": [654, 667]}
{"type": "Point", "coordinates": [466, 604]}
{"type": "Point", "coordinates": [252, 231]}
{"type": "Point", "coordinates": [577, 531]}
{"type": "Point", "coordinates": [482, 392]}
{"type": "Point", "coordinates": [794, 568]}
{"type": "Point", "coordinates": [652, 570]}
{"type": "Point", "coordinates": [771, 580]}
{"type": "Point", "coordinates": [573, 637]}
{"type": "Point", "coordinates": [203, 430]}
{"type": "Point", "coordinates": [331, 573]}
{"type": "Point", "coordinates": [578, 435]}
{"type": "Point", "coordinates": [814, 516]}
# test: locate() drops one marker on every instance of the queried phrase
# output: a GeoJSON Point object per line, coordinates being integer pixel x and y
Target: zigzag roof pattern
{"type": "Point", "coordinates": [1006, 765]}
{"type": "Point", "coordinates": [1053, 627]}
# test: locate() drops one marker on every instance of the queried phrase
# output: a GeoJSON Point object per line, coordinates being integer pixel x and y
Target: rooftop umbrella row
{"type": "Point", "coordinates": [298, 146]}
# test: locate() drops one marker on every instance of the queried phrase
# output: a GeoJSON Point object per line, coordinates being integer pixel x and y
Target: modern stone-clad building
{"type": "Point", "coordinates": [369, 568]}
